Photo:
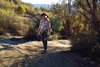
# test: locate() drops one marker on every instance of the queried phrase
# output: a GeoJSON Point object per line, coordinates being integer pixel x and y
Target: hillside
{"type": "Point", "coordinates": [18, 18]}
{"type": "Point", "coordinates": [22, 19]}
{"type": "Point", "coordinates": [13, 17]}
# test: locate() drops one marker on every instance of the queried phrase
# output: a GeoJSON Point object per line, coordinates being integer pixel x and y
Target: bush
{"type": "Point", "coordinates": [32, 32]}
{"type": "Point", "coordinates": [21, 25]}
{"type": "Point", "coordinates": [84, 43]}
{"type": "Point", "coordinates": [56, 25]}
{"type": "Point", "coordinates": [6, 19]}
{"type": "Point", "coordinates": [14, 24]}
{"type": "Point", "coordinates": [6, 5]}
{"type": "Point", "coordinates": [29, 9]}
{"type": "Point", "coordinates": [21, 9]}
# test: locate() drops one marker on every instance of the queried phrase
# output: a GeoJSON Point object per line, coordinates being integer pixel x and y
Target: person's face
{"type": "Point", "coordinates": [44, 17]}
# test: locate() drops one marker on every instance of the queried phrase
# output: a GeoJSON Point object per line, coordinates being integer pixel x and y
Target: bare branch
{"type": "Point", "coordinates": [84, 8]}
{"type": "Point", "coordinates": [84, 15]}
{"type": "Point", "coordinates": [89, 5]}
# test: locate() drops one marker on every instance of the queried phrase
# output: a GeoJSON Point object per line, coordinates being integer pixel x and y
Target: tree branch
{"type": "Point", "coordinates": [84, 8]}
{"type": "Point", "coordinates": [84, 15]}
{"type": "Point", "coordinates": [89, 5]}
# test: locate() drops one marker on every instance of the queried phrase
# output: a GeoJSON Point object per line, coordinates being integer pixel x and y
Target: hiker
{"type": "Point", "coordinates": [44, 30]}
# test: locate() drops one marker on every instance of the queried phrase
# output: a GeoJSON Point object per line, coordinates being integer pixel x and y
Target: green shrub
{"type": "Point", "coordinates": [29, 9]}
{"type": "Point", "coordinates": [84, 43]}
{"type": "Point", "coordinates": [56, 25]}
{"type": "Point", "coordinates": [6, 17]}
{"type": "Point", "coordinates": [21, 9]}
{"type": "Point", "coordinates": [14, 24]}
{"type": "Point", "coordinates": [6, 5]}
{"type": "Point", "coordinates": [32, 31]}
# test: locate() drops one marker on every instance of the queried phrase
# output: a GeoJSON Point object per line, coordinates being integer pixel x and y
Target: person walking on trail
{"type": "Point", "coordinates": [44, 30]}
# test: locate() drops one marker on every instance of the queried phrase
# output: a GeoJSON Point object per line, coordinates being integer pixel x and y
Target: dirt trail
{"type": "Point", "coordinates": [28, 54]}
{"type": "Point", "coordinates": [18, 55]}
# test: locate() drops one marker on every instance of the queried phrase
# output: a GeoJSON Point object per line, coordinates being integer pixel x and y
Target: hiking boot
{"type": "Point", "coordinates": [44, 51]}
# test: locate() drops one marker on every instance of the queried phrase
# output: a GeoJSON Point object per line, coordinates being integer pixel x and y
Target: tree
{"type": "Point", "coordinates": [61, 12]}
{"type": "Point", "coordinates": [89, 8]}
{"type": "Point", "coordinates": [87, 12]}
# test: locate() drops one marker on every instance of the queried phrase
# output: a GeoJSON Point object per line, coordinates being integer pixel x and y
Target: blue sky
{"type": "Point", "coordinates": [42, 1]}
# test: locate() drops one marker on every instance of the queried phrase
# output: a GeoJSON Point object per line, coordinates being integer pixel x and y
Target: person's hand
{"type": "Point", "coordinates": [39, 31]}
{"type": "Point", "coordinates": [48, 33]}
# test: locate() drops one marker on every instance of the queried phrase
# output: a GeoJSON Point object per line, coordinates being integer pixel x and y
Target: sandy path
{"type": "Point", "coordinates": [18, 54]}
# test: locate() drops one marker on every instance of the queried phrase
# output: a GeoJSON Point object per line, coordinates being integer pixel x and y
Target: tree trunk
{"type": "Point", "coordinates": [93, 16]}
{"type": "Point", "coordinates": [94, 19]}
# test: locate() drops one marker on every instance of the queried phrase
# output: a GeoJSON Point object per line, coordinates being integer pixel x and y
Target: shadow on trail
{"type": "Point", "coordinates": [60, 59]}
{"type": "Point", "coordinates": [6, 48]}
{"type": "Point", "coordinates": [15, 41]}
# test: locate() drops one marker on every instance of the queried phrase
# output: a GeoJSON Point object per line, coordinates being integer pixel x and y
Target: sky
{"type": "Point", "coordinates": [41, 1]}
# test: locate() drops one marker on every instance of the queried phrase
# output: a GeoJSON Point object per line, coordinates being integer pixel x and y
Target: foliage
{"type": "Point", "coordinates": [81, 20]}
{"type": "Point", "coordinates": [6, 18]}
{"type": "Point", "coordinates": [86, 15]}
{"type": "Point", "coordinates": [61, 12]}
{"type": "Point", "coordinates": [17, 18]}
{"type": "Point", "coordinates": [43, 9]}
{"type": "Point", "coordinates": [12, 24]}
{"type": "Point", "coordinates": [56, 25]}
{"type": "Point", "coordinates": [29, 8]}
{"type": "Point", "coordinates": [84, 43]}
{"type": "Point", "coordinates": [21, 9]}
{"type": "Point", "coordinates": [6, 5]}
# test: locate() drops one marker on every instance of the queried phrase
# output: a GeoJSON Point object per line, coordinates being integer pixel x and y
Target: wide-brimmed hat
{"type": "Point", "coordinates": [43, 14]}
